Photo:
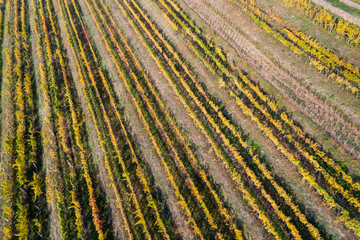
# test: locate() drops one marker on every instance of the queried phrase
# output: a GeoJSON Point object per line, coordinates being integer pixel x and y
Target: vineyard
{"type": "Point", "coordinates": [179, 119]}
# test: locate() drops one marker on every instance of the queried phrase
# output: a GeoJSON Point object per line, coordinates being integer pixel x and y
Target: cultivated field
{"type": "Point", "coordinates": [180, 119]}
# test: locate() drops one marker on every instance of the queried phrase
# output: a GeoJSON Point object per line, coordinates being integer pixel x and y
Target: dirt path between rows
{"type": "Point", "coordinates": [322, 114]}
{"type": "Point", "coordinates": [339, 12]}
{"type": "Point", "coordinates": [351, 3]}
{"type": "Point", "coordinates": [331, 40]}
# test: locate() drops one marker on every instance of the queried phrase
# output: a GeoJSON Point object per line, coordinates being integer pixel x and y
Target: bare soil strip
{"type": "Point", "coordinates": [326, 38]}
{"type": "Point", "coordinates": [339, 12]}
{"type": "Point", "coordinates": [351, 3]}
